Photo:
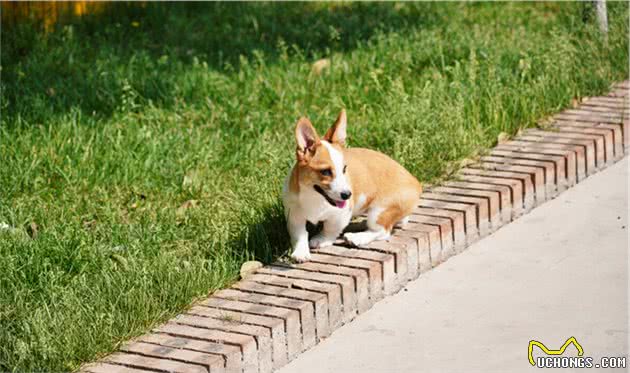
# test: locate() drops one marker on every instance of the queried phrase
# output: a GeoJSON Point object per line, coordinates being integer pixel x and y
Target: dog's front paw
{"type": "Point", "coordinates": [358, 239]}
{"type": "Point", "coordinates": [320, 241]}
{"type": "Point", "coordinates": [301, 254]}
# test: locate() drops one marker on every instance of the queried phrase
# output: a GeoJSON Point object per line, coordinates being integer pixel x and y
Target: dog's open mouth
{"type": "Point", "coordinates": [339, 204]}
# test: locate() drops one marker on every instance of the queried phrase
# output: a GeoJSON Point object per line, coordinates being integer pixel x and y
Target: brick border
{"type": "Point", "coordinates": [267, 319]}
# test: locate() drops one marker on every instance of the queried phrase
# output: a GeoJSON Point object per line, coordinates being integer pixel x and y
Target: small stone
{"type": "Point", "coordinates": [250, 267]}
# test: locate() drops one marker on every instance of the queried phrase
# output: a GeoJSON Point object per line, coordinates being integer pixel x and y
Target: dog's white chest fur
{"type": "Point", "coordinates": [310, 205]}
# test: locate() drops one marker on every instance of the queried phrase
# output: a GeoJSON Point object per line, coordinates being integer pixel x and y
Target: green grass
{"type": "Point", "coordinates": [107, 129]}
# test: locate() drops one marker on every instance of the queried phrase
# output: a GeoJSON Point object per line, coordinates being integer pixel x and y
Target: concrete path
{"type": "Point", "coordinates": [557, 272]}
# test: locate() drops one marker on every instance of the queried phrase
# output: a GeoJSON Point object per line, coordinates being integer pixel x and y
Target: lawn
{"type": "Point", "coordinates": [142, 151]}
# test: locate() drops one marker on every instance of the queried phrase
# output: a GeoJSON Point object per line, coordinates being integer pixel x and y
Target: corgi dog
{"type": "Point", "coordinates": [331, 183]}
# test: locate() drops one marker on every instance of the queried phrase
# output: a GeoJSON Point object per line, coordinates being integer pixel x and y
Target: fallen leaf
{"type": "Point", "coordinates": [503, 138]}
{"type": "Point", "coordinates": [32, 229]}
{"type": "Point", "coordinates": [575, 103]}
{"type": "Point", "coordinates": [89, 224]}
{"type": "Point", "coordinates": [466, 162]}
{"type": "Point", "coordinates": [181, 210]}
{"type": "Point", "coordinates": [120, 260]}
{"type": "Point", "coordinates": [249, 268]}
{"type": "Point", "coordinates": [320, 65]}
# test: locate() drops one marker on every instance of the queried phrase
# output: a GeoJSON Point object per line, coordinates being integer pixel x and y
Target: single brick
{"type": "Point", "coordinates": [451, 242]}
{"type": "Point", "coordinates": [592, 117]}
{"type": "Point", "coordinates": [406, 251]}
{"type": "Point", "coordinates": [359, 277]}
{"type": "Point", "coordinates": [492, 192]}
{"type": "Point", "coordinates": [469, 211]}
{"type": "Point", "coordinates": [435, 241]}
{"type": "Point", "coordinates": [572, 172]}
{"type": "Point", "coordinates": [331, 292]}
{"type": "Point", "coordinates": [291, 318]}
{"type": "Point", "coordinates": [373, 270]}
{"type": "Point", "coordinates": [109, 368]}
{"type": "Point", "coordinates": [241, 322]}
{"type": "Point", "coordinates": [484, 214]}
{"type": "Point", "coordinates": [626, 134]}
{"type": "Point", "coordinates": [231, 354]}
{"type": "Point", "coordinates": [617, 106]}
{"type": "Point", "coordinates": [423, 249]}
{"type": "Point", "coordinates": [305, 309]}
{"type": "Point", "coordinates": [594, 156]}
{"type": "Point", "coordinates": [319, 301]}
{"type": "Point", "coordinates": [212, 362]}
{"type": "Point", "coordinates": [261, 335]}
{"type": "Point", "coordinates": [246, 343]}
{"type": "Point", "coordinates": [385, 261]}
{"type": "Point", "coordinates": [602, 109]}
{"type": "Point", "coordinates": [536, 175]}
{"type": "Point", "coordinates": [608, 102]}
{"type": "Point", "coordinates": [606, 115]}
{"type": "Point", "coordinates": [150, 363]}
{"type": "Point", "coordinates": [344, 283]}
{"type": "Point", "coordinates": [547, 170]}
{"type": "Point", "coordinates": [511, 179]}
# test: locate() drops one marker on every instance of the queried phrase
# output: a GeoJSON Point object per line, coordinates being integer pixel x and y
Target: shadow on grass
{"type": "Point", "coordinates": [89, 63]}
{"type": "Point", "coordinates": [268, 240]}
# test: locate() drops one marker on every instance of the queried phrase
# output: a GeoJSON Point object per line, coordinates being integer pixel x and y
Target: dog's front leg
{"type": "Point", "coordinates": [332, 229]}
{"type": "Point", "coordinates": [299, 238]}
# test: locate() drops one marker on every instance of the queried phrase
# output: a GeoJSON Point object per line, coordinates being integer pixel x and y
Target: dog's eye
{"type": "Point", "coordinates": [326, 172]}
{"type": "Point", "coordinates": [344, 168]}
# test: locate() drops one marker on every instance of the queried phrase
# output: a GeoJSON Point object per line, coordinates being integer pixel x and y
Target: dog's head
{"type": "Point", "coordinates": [321, 161]}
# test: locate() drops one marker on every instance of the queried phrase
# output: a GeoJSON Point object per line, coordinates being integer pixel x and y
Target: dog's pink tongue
{"type": "Point", "coordinates": [340, 204]}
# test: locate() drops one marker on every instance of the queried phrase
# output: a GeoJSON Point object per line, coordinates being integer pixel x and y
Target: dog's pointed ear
{"type": "Point", "coordinates": [306, 138]}
{"type": "Point", "coordinates": [337, 133]}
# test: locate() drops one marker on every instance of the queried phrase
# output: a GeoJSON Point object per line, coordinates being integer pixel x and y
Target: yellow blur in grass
{"type": "Point", "coordinates": [48, 13]}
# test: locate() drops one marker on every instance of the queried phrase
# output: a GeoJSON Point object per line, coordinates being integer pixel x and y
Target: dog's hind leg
{"type": "Point", "coordinates": [380, 222]}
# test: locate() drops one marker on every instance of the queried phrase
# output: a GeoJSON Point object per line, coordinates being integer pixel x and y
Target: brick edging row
{"type": "Point", "coordinates": [267, 319]}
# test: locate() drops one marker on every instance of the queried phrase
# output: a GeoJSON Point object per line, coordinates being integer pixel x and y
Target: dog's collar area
{"type": "Point", "coordinates": [319, 190]}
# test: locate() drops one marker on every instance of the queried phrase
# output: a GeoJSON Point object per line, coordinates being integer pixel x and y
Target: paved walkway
{"type": "Point", "coordinates": [559, 271]}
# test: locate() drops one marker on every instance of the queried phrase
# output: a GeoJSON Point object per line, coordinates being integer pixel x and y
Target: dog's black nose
{"type": "Point", "coordinates": [346, 195]}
